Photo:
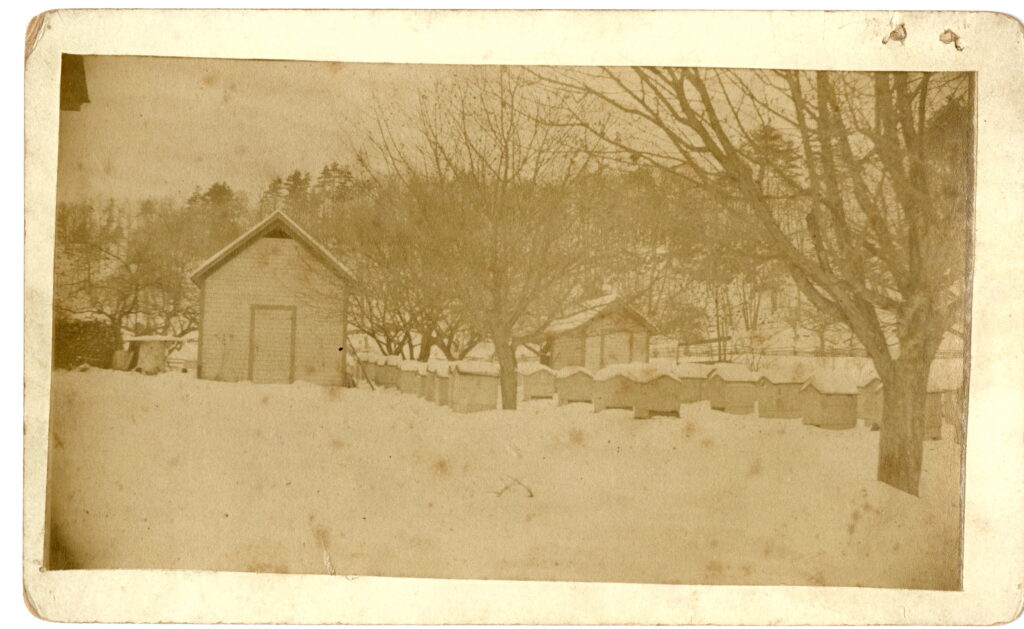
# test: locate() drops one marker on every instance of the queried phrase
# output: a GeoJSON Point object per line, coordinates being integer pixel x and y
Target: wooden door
{"type": "Point", "coordinates": [272, 344]}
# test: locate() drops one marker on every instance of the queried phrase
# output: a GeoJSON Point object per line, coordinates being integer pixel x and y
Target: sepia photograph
{"type": "Point", "coordinates": [640, 324]}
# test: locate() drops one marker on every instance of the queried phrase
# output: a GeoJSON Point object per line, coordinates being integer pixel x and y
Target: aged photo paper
{"type": "Point", "coordinates": [526, 317]}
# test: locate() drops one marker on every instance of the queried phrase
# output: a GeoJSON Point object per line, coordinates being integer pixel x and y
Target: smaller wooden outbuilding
{"type": "Point", "coordinates": [388, 372]}
{"type": "Point", "coordinates": [614, 388]}
{"type": "Point", "coordinates": [536, 381]}
{"type": "Point", "coordinates": [574, 384]}
{"type": "Point", "coordinates": [778, 390]}
{"type": "Point", "coordinates": [943, 400]}
{"type": "Point", "coordinates": [829, 400]}
{"type": "Point", "coordinates": [599, 332]}
{"type": "Point", "coordinates": [473, 386]}
{"type": "Point", "coordinates": [409, 376]}
{"type": "Point", "coordinates": [440, 370]}
{"type": "Point", "coordinates": [657, 391]}
{"type": "Point", "coordinates": [732, 388]}
{"type": "Point", "coordinates": [426, 383]}
{"type": "Point", "coordinates": [693, 378]}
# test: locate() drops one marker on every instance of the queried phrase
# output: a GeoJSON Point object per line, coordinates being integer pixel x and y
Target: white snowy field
{"type": "Point", "coordinates": [173, 472]}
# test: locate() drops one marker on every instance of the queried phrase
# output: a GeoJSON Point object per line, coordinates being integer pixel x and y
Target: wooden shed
{"type": "Point", "coordinates": [829, 400]}
{"type": "Point", "coordinates": [614, 388]}
{"type": "Point", "coordinates": [656, 389]}
{"type": "Point", "coordinates": [387, 372]}
{"type": "Point", "coordinates": [778, 390]}
{"type": "Point", "coordinates": [943, 400]}
{"type": "Point", "coordinates": [574, 384]}
{"type": "Point", "coordinates": [536, 381]}
{"type": "Point", "coordinates": [600, 332]}
{"type": "Point", "coordinates": [732, 388]}
{"type": "Point", "coordinates": [409, 376]}
{"type": "Point", "coordinates": [273, 308]}
{"type": "Point", "coordinates": [473, 386]}
{"type": "Point", "coordinates": [692, 379]}
{"type": "Point", "coordinates": [441, 370]}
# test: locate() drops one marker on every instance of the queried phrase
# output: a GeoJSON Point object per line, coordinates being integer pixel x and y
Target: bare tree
{"type": "Point", "coordinates": [491, 185]}
{"type": "Point", "coordinates": [879, 167]}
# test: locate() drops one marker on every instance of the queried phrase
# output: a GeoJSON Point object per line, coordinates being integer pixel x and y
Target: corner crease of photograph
{"type": "Point", "coordinates": [606, 324]}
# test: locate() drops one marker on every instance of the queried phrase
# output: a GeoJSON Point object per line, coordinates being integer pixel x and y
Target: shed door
{"type": "Point", "coordinates": [272, 344]}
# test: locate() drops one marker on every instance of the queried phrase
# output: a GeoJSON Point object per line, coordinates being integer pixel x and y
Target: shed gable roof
{"type": "Point", "coordinates": [592, 309]}
{"type": "Point", "coordinates": [276, 223]}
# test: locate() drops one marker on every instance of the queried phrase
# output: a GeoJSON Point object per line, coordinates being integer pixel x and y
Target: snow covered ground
{"type": "Point", "coordinates": [172, 472]}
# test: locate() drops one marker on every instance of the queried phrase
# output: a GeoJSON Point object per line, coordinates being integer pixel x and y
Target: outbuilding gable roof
{"type": "Point", "coordinates": [275, 221]}
{"type": "Point", "coordinates": [590, 310]}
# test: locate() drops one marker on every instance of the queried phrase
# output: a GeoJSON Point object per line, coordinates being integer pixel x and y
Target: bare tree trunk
{"type": "Point", "coordinates": [901, 443]}
{"type": "Point", "coordinates": [506, 355]}
{"type": "Point", "coordinates": [426, 344]}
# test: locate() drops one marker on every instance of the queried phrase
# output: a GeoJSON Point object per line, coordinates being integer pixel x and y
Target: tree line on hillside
{"type": "Point", "coordinates": [507, 195]}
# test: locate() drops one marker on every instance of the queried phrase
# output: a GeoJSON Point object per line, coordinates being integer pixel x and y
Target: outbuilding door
{"type": "Point", "coordinates": [272, 344]}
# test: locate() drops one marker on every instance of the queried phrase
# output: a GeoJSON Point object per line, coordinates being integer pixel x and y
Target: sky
{"type": "Point", "coordinates": [158, 127]}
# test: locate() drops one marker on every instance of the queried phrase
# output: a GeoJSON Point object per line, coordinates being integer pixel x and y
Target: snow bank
{"type": "Point", "coordinates": [393, 361]}
{"type": "Point", "coordinates": [387, 484]}
{"type": "Point", "coordinates": [635, 372]}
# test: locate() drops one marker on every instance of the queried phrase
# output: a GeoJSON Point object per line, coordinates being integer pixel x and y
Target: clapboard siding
{"type": "Point", "coordinates": [567, 351]}
{"type": "Point", "coordinates": [609, 339]}
{"type": "Point", "coordinates": [273, 272]}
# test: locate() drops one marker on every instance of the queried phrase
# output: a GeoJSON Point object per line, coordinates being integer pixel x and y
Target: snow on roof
{"type": "Point", "coordinates": [635, 372]}
{"type": "Point", "coordinates": [155, 337]}
{"type": "Point", "coordinates": [275, 219]}
{"type": "Point", "coordinates": [589, 310]}
{"type": "Point", "coordinates": [392, 360]}
{"type": "Point", "coordinates": [528, 369]}
{"type": "Point", "coordinates": [566, 372]}
{"type": "Point", "coordinates": [734, 372]}
{"type": "Point", "coordinates": [697, 371]}
{"type": "Point", "coordinates": [795, 372]}
{"type": "Point", "coordinates": [440, 367]}
{"type": "Point", "coordinates": [834, 382]}
{"type": "Point", "coordinates": [413, 365]}
{"type": "Point", "coordinates": [476, 368]}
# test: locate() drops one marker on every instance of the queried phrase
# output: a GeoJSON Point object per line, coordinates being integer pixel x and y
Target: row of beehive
{"type": "Point", "coordinates": [821, 399]}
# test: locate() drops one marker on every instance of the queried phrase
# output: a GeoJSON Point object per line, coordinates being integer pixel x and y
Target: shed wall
{"type": "Point", "coordinates": [273, 272]}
